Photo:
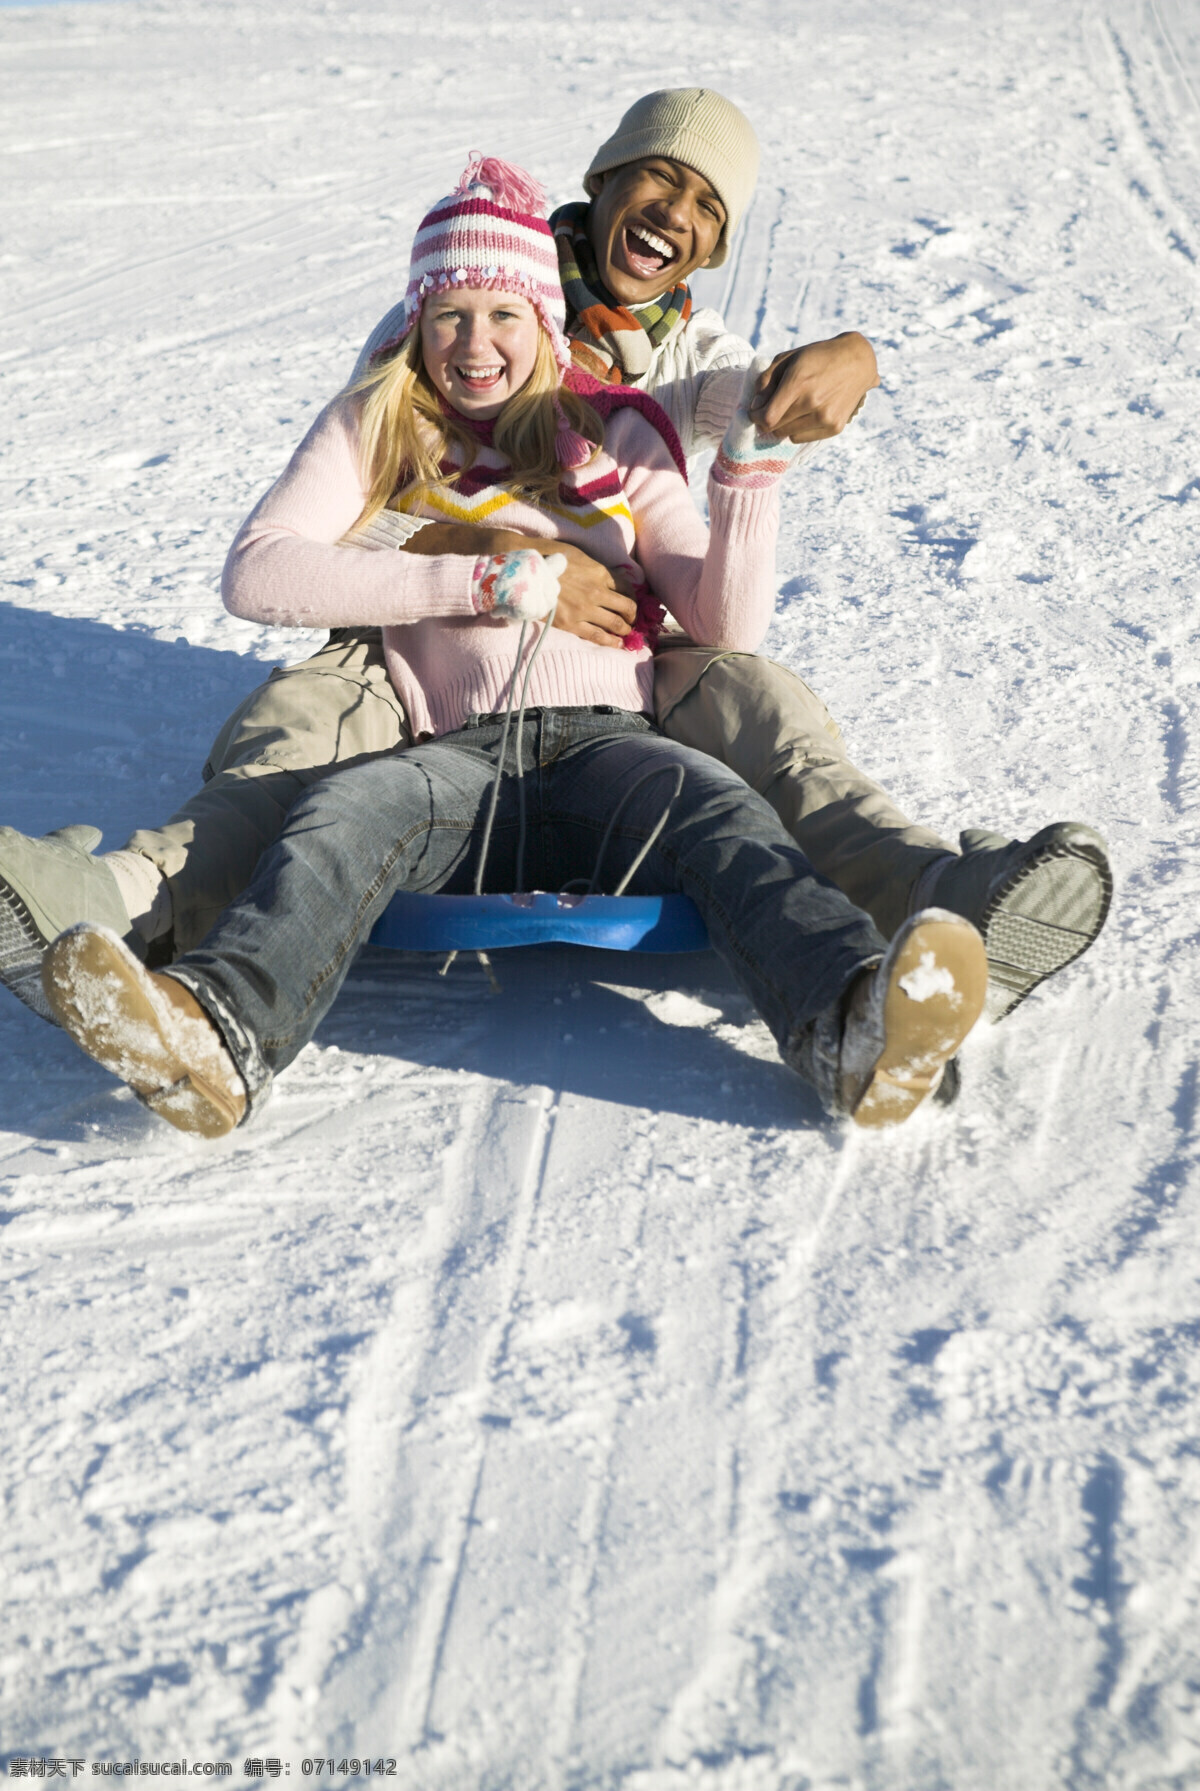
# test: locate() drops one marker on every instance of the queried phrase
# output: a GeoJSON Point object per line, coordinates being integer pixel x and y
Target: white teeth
{"type": "Point", "coordinates": [654, 242]}
{"type": "Point", "coordinates": [479, 372]}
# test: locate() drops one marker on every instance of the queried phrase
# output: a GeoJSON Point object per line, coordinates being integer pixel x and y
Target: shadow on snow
{"type": "Point", "coordinates": [111, 726]}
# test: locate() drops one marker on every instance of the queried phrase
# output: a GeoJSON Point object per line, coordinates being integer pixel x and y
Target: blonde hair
{"type": "Point", "coordinates": [404, 433]}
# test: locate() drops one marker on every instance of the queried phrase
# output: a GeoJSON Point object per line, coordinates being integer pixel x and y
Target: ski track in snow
{"type": "Point", "coordinates": [541, 1392]}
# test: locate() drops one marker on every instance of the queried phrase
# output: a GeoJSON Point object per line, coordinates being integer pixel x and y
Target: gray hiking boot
{"type": "Point", "coordinates": [46, 886]}
{"type": "Point", "coordinates": [1039, 903]}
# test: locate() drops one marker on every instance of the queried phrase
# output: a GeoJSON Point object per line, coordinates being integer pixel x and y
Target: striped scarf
{"type": "Point", "coordinates": [611, 342]}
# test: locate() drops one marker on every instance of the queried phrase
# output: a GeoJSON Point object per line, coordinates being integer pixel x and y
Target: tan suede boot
{"type": "Point", "coordinates": [144, 1027]}
{"type": "Point", "coordinates": [905, 1020]}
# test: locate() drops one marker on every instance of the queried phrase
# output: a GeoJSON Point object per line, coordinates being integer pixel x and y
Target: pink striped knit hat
{"type": "Point", "coordinates": [491, 232]}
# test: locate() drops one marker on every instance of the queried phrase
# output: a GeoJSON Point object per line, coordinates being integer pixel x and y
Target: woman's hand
{"type": "Point", "coordinates": [593, 602]}
{"type": "Point", "coordinates": [517, 587]}
{"type": "Point", "coordinates": [749, 459]}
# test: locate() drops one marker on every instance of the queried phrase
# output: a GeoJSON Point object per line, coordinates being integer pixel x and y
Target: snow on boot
{"type": "Point", "coordinates": [905, 1020]}
{"type": "Point", "coordinates": [1039, 903]}
{"type": "Point", "coordinates": [47, 885]}
{"type": "Point", "coordinates": [146, 1028]}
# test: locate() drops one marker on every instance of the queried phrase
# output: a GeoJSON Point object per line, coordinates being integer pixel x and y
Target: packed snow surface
{"type": "Point", "coordinates": [542, 1394]}
{"type": "Point", "coordinates": [927, 980]}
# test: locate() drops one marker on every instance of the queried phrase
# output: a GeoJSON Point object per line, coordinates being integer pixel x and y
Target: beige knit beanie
{"type": "Point", "coordinates": [692, 125]}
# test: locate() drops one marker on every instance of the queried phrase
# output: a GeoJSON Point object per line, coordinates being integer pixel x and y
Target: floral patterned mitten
{"type": "Point", "coordinates": [517, 587]}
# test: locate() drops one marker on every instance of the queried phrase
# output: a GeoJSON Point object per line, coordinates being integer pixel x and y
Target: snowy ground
{"type": "Point", "coordinates": [542, 1394]}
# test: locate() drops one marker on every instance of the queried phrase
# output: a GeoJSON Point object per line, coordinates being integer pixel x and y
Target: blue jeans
{"type": "Point", "coordinates": [272, 966]}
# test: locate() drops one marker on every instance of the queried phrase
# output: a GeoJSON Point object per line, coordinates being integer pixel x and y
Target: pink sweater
{"type": "Point", "coordinates": [629, 506]}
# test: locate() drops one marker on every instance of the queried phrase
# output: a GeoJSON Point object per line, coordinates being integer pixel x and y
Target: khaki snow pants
{"type": "Point", "coordinates": [339, 707]}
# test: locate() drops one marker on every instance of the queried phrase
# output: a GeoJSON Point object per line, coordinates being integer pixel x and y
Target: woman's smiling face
{"type": "Point", "coordinates": [479, 347]}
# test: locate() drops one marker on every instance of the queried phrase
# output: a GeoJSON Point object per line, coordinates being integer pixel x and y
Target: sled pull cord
{"type": "Point", "coordinates": [673, 771]}
{"type": "Point", "coordinates": [486, 841]}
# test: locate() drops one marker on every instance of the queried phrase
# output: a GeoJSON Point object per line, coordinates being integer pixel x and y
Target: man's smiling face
{"type": "Point", "coordinates": [652, 223]}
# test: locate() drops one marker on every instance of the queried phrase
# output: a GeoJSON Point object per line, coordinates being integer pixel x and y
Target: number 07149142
{"type": "Point", "coordinates": [349, 1767]}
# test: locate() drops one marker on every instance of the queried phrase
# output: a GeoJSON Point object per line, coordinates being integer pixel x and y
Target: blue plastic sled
{"type": "Point", "coordinates": [490, 923]}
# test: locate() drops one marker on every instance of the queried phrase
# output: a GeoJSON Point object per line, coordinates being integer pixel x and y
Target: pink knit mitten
{"type": "Point", "coordinates": [517, 587]}
{"type": "Point", "coordinates": [747, 460]}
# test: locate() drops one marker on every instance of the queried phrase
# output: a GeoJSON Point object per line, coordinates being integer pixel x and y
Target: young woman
{"type": "Point", "coordinates": [477, 413]}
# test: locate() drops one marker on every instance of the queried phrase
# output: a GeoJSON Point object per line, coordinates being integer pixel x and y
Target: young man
{"type": "Point", "coordinates": [667, 192]}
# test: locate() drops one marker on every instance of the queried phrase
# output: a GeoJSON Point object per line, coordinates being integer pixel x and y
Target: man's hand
{"type": "Point", "coordinates": [593, 602]}
{"type": "Point", "coordinates": [811, 393]}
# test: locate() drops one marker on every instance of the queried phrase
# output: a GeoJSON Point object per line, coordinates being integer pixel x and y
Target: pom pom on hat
{"type": "Point", "coordinates": [508, 185]}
